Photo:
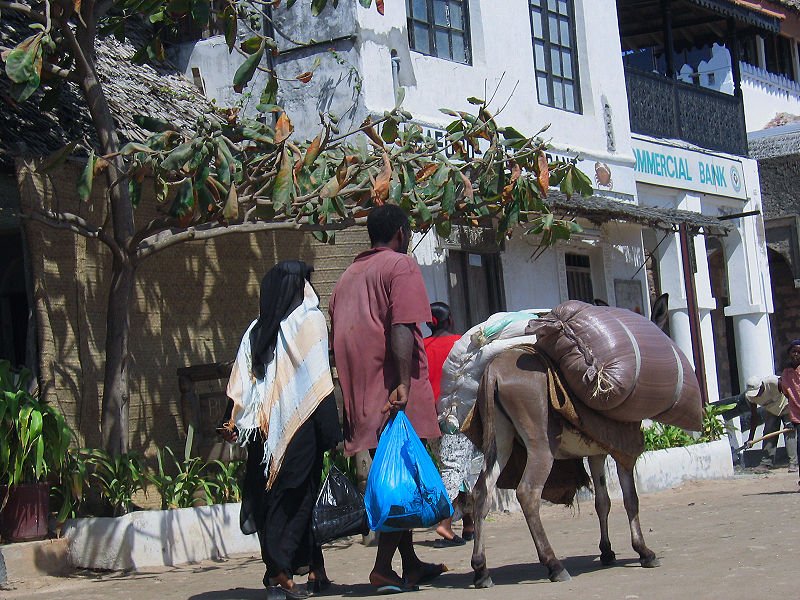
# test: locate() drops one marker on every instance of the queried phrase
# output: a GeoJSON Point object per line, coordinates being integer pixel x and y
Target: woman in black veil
{"type": "Point", "coordinates": [282, 407]}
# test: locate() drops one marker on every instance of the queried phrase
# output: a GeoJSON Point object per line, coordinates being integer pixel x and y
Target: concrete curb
{"type": "Point", "coordinates": [155, 538]}
{"type": "Point", "coordinates": [166, 538]}
{"type": "Point", "coordinates": [26, 560]}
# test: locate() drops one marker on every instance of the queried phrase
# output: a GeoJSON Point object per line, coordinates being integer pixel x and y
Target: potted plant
{"type": "Point", "coordinates": [34, 440]}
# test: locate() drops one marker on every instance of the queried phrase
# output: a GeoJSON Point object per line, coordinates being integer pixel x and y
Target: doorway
{"type": "Point", "coordinates": [475, 283]}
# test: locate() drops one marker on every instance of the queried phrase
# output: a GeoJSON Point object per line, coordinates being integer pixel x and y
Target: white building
{"type": "Point", "coordinates": [664, 154]}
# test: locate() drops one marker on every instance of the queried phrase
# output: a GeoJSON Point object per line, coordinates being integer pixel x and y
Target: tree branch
{"type": "Point", "coordinates": [23, 9]}
{"type": "Point", "coordinates": [74, 223]}
{"type": "Point", "coordinates": [165, 239]}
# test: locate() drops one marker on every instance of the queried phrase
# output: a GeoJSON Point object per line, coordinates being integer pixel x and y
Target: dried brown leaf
{"type": "Point", "coordinates": [283, 128]}
{"type": "Point", "coordinates": [544, 174]}
{"type": "Point", "coordinates": [380, 184]}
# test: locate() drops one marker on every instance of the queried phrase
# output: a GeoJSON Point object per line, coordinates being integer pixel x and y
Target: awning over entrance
{"type": "Point", "coordinates": [600, 210]}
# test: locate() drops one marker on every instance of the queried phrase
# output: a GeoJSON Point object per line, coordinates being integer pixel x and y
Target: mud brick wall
{"type": "Point", "coordinates": [192, 304]}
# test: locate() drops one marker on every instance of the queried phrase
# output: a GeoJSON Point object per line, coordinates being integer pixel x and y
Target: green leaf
{"type": "Point", "coordinates": [444, 229]}
{"type": "Point", "coordinates": [229, 17]}
{"type": "Point", "coordinates": [87, 178]}
{"type": "Point", "coordinates": [20, 92]}
{"type": "Point", "coordinates": [178, 157]}
{"type": "Point", "coordinates": [231, 209]}
{"type": "Point", "coordinates": [270, 94]}
{"type": "Point", "coordinates": [317, 6]}
{"type": "Point", "coordinates": [251, 45]}
{"type": "Point", "coordinates": [184, 201]}
{"type": "Point", "coordinates": [135, 192]}
{"type": "Point", "coordinates": [247, 69]}
{"type": "Point", "coordinates": [365, 3]}
{"type": "Point", "coordinates": [151, 124]}
{"type": "Point", "coordinates": [449, 197]}
{"type": "Point", "coordinates": [201, 11]}
{"type": "Point", "coordinates": [476, 101]}
{"type": "Point", "coordinates": [290, 3]}
{"type": "Point", "coordinates": [21, 61]}
{"type": "Point", "coordinates": [132, 147]}
{"type": "Point", "coordinates": [424, 211]}
{"type": "Point", "coordinates": [58, 157]}
{"type": "Point", "coordinates": [389, 131]}
{"type": "Point", "coordinates": [510, 133]}
{"type": "Point", "coordinates": [282, 190]}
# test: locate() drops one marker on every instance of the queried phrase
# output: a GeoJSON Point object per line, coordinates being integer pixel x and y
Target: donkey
{"type": "Point", "coordinates": [516, 384]}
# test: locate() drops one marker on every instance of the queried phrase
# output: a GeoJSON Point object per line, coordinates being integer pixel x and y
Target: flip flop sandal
{"type": "Point", "coordinates": [385, 590]}
{"type": "Point", "coordinates": [445, 543]}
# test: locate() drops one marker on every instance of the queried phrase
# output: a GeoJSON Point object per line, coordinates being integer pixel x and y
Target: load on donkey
{"type": "Point", "coordinates": [578, 384]}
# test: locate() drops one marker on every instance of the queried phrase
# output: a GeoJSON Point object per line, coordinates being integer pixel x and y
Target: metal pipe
{"type": "Point", "coordinates": [694, 315]}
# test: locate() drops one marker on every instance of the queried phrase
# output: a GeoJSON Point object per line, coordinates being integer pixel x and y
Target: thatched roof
{"type": "Point", "coordinates": [775, 141]}
{"type": "Point", "coordinates": [160, 92]}
{"type": "Point", "coordinates": [600, 210]}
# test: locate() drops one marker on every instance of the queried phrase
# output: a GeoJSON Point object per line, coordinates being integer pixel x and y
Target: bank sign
{"type": "Point", "coordinates": [688, 170]}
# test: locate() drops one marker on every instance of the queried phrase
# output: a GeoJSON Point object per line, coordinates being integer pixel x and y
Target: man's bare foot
{"type": "Point", "coordinates": [445, 531]}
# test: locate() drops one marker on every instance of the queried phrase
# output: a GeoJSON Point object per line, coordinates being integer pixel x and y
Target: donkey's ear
{"type": "Point", "coordinates": [599, 302]}
{"type": "Point", "coordinates": [659, 314]}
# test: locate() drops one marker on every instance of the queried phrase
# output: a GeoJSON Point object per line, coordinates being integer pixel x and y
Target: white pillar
{"type": "Point", "coordinates": [753, 344]}
{"type": "Point", "coordinates": [709, 357]}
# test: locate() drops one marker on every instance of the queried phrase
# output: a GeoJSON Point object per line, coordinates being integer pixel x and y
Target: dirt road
{"type": "Point", "coordinates": [732, 539]}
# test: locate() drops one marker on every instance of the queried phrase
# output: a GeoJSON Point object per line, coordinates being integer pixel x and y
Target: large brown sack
{"type": "Point", "coordinates": [620, 363]}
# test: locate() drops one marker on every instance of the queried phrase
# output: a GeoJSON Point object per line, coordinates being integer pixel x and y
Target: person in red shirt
{"type": "Point", "coordinates": [790, 387]}
{"type": "Point", "coordinates": [437, 347]}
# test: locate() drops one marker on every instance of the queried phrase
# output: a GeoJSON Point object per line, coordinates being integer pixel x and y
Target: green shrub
{"type": "Point", "coordinates": [117, 478]}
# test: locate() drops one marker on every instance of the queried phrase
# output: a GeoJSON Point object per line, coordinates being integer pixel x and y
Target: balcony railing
{"type": "Point", "coordinates": [665, 108]}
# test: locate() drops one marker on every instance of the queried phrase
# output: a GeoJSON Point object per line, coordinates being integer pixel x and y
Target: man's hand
{"type": "Point", "coordinates": [398, 399]}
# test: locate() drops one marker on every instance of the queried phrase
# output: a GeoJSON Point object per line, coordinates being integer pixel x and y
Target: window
{"type": "Point", "coordinates": [476, 287]}
{"type": "Point", "coordinates": [579, 277]}
{"type": "Point", "coordinates": [555, 53]}
{"type": "Point", "coordinates": [439, 28]}
{"type": "Point", "coordinates": [778, 54]}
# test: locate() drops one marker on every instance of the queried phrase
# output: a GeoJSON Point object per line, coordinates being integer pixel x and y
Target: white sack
{"type": "Point", "coordinates": [464, 367]}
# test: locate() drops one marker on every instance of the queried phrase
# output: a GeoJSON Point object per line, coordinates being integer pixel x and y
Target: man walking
{"type": "Point", "coordinates": [790, 386]}
{"type": "Point", "coordinates": [375, 310]}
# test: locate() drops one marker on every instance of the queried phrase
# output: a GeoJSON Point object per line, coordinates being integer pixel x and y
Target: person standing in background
{"type": "Point", "coordinates": [437, 347]}
{"type": "Point", "coordinates": [790, 387]}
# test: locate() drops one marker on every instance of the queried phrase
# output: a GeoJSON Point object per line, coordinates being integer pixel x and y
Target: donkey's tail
{"type": "Point", "coordinates": [485, 405]}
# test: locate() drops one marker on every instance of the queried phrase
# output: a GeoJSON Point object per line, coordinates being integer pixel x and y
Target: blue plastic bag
{"type": "Point", "coordinates": [404, 488]}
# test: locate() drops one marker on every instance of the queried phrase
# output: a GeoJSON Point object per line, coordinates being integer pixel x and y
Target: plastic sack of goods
{"type": "Point", "coordinates": [620, 364]}
{"type": "Point", "coordinates": [404, 488]}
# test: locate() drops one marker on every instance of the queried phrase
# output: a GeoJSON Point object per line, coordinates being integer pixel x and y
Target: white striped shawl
{"type": "Point", "coordinates": [296, 381]}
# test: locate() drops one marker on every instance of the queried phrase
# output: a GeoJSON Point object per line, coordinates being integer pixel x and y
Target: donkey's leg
{"type": "Point", "coordinates": [529, 493]}
{"type": "Point", "coordinates": [602, 504]}
{"type": "Point", "coordinates": [482, 495]}
{"type": "Point", "coordinates": [647, 557]}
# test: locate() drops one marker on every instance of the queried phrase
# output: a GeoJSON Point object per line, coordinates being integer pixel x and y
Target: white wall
{"type": "Point", "coordinates": [765, 95]}
{"type": "Point", "coordinates": [502, 48]}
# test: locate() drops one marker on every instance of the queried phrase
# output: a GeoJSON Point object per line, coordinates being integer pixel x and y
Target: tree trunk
{"type": "Point", "coordinates": [116, 389]}
{"type": "Point", "coordinates": [116, 395]}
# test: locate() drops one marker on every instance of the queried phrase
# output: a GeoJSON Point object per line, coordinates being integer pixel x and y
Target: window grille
{"type": "Point", "coordinates": [555, 53]}
{"type": "Point", "coordinates": [440, 28]}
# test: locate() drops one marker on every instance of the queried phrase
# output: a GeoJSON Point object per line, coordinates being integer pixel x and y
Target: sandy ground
{"type": "Point", "coordinates": [731, 539]}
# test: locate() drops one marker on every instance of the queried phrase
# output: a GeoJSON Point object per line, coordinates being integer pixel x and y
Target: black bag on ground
{"type": "Point", "coordinates": [339, 511]}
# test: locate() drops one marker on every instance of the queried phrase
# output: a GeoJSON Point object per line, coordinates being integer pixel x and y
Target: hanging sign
{"type": "Point", "coordinates": [686, 169]}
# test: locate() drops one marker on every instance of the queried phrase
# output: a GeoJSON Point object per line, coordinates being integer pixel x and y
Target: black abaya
{"type": "Point", "coordinates": [281, 516]}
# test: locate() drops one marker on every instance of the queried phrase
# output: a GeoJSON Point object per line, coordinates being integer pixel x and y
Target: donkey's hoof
{"type": "Point", "coordinates": [650, 563]}
{"type": "Point", "coordinates": [562, 575]}
{"type": "Point", "coordinates": [608, 558]}
{"type": "Point", "coordinates": [483, 581]}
